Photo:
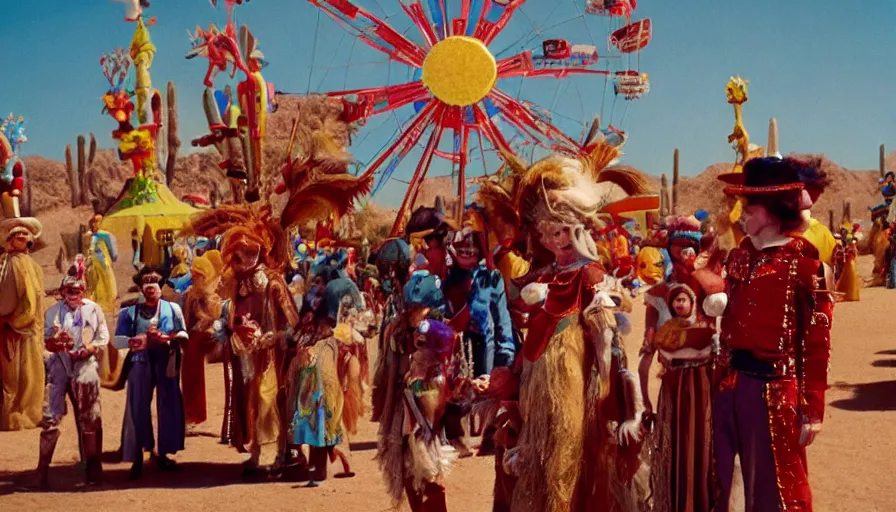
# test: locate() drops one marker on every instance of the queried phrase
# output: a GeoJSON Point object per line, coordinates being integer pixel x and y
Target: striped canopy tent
{"type": "Point", "coordinates": [147, 212]}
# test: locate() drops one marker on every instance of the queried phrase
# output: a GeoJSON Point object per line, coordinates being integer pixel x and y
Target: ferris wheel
{"type": "Point", "coordinates": [458, 94]}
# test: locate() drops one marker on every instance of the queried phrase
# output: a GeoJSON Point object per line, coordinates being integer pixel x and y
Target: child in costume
{"type": "Point", "coordinates": [317, 382]}
{"type": "Point", "coordinates": [771, 374]}
{"type": "Point", "coordinates": [678, 329]}
{"type": "Point", "coordinates": [682, 476]}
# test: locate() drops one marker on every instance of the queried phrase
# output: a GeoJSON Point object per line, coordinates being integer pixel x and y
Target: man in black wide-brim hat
{"type": "Point", "coordinates": [772, 370]}
{"type": "Point", "coordinates": [152, 330]}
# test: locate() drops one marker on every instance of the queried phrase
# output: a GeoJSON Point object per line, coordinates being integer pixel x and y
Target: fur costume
{"type": "Point", "coordinates": [576, 395]}
{"type": "Point", "coordinates": [318, 181]}
{"type": "Point", "coordinates": [260, 298]}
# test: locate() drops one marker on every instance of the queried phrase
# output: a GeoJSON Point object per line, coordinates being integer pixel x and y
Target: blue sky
{"type": "Point", "coordinates": [824, 68]}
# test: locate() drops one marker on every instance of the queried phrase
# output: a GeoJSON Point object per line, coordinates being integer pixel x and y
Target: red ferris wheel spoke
{"type": "Point", "coordinates": [420, 172]}
{"type": "Point", "coordinates": [376, 100]}
{"type": "Point", "coordinates": [462, 166]}
{"type": "Point", "coordinates": [414, 10]}
{"type": "Point", "coordinates": [520, 64]}
{"type": "Point", "coordinates": [459, 25]}
{"type": "Point", "coordinates": [407, 140]}
{"type": "Point", "coordinates": [488, 128]}
{"type": "Point", "coordinates": [375, 32]}
{"type": "Point", "coordinates": [495, 18]}
{"type": "Point", "coordinates": [520, 116]}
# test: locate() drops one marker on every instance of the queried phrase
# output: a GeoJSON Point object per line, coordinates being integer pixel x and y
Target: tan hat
{"type": "Point", "coordinates": [28, 225]}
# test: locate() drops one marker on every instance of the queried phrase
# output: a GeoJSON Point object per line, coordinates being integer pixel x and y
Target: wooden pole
{"type": "Point", "coordinates": [831, 220]}
{"type": "Point", "coordinates": [883, 160]}
{"type": "Point", "coordinates": [674, 206]}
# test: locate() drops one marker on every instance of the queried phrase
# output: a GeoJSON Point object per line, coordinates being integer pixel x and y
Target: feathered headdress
{"type": "Point", "coordinates": [241, 225]}
{"type": "Point", "coordinates": [318, 181]}
{"type": "Point", "coordinates": [574, 190]}
{"type": "Point", "coordinates": [685, 230]}
{"type": "Point", "coordinates": [497, 195]}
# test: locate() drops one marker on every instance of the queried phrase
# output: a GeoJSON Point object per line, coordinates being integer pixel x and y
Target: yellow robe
{"type": "Point", "coordinates": [101, 285]}
{"type": "Point", "coordinates": [21, 342]}
{"type": "Point", "coordinates": [849, 282]}
{"type": "Point", "coordinates": [512, 266]}
{"type": "Point", "coordinates": [820, 236]}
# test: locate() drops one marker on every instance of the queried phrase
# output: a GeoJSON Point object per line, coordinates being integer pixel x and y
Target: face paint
{"type": "Point", "coordinates": [152, 292]}
{"type": "Point", "coordinates": [73, 296]}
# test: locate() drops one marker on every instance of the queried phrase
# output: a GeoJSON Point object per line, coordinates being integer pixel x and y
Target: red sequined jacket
{"type": "Point", "coordinates": [779, 314]}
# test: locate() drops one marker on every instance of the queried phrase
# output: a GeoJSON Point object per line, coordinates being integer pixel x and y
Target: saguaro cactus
{"type": "Point", "coordinates": [171, 129]}
{"type": "Point", "coordinates": [831, 220]}
{"type": "Point", "coordinates": [78, 174]}
{"type": "Point", "coordinates": [883, 160]}
{"type": "Point", "coordinates": [82, 168]}
{"type": "Point", "coordinates": [664, 196]}
{"type": "Point", "coordinates": [674, 208]}
{"type": "Point", "coordinates": [75, 185]}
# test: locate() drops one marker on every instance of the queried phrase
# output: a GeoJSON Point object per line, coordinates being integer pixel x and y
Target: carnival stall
{"type": "Point", "coordinates": [146, 211]}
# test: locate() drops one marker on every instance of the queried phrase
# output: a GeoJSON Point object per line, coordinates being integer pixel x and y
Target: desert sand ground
{"type": "Point", "coordinates": [851, 464]}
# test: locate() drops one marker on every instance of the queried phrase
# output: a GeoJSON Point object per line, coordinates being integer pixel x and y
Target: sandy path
{"type": "Point", "coordinates": [851, 464]}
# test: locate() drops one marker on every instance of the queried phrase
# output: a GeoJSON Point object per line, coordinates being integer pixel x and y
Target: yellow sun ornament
{"type": "Point", "coordinates": [460, 71]}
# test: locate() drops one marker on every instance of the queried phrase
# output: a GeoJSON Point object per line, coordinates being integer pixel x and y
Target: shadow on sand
{"type": "Point", "coordinates": [190, 475]}
{"type": "Point", "coordinates": [873, 396]}
{"type": "Point", "coordinates": [364, 446]}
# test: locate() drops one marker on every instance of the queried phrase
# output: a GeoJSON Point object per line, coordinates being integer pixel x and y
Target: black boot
{"type": "Point", "coordinates": [137, 468]}
{"type": "Point", "coordinates": [166, 464]}
{"type": "Point", "coordinates": [317, 470]}
{"type": "Point", "coordinates": [92, 443]}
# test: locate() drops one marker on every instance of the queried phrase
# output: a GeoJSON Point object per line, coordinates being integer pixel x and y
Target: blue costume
{"type": "Point", "coordinates": [153, 369]}
{"type": "Point", "coordinates": [489, 331]}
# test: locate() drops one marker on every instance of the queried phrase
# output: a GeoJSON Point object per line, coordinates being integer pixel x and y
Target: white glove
{"type": "Point", "coordinates": [534, 293]}
{"type": "Point", "coordinates": [714, 305]}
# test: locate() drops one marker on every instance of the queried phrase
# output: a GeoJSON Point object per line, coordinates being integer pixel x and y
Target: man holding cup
{"type": "Point", "coordinates": [152, 330]}
{"type": "Point", "coordinates": [75, 332]}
